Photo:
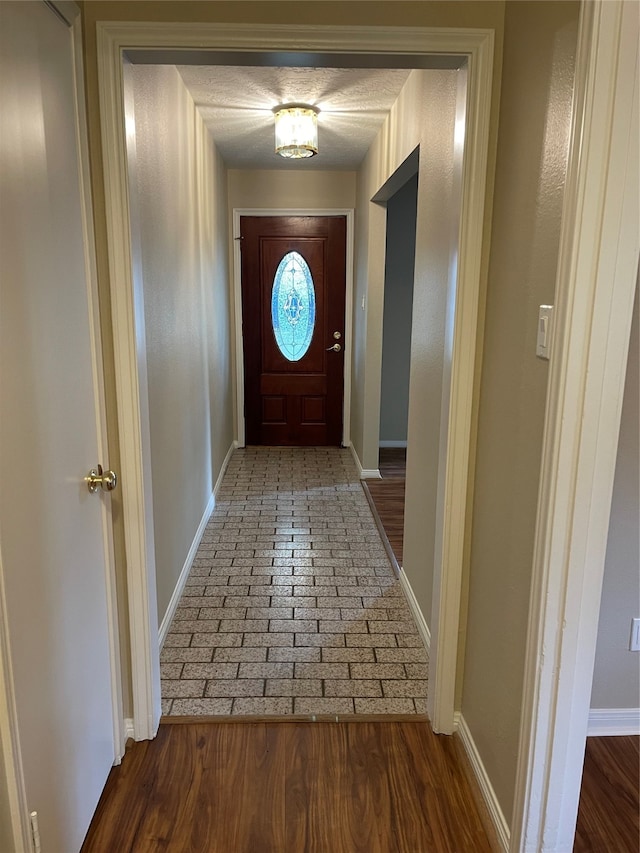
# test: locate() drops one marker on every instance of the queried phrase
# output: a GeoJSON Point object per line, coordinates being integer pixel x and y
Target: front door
{"type": "Point", "coordinates": [293, 298]}
{"type": "Point", "coordinates": [52, 531]}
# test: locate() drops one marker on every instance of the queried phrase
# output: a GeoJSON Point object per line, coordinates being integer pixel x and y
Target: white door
{"type": "Point", "coordinates": [52, 531]}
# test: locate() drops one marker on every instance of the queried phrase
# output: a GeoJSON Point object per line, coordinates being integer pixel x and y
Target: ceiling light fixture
{"type": "Point", "coordinates": [296, 130]}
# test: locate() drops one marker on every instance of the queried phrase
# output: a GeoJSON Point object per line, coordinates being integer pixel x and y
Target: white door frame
{"type": "Point", "coordinates": [10, 753]}
{"type": "Point", "coordinates": [583, 413]}
{"type": "Point", "coordinates": [237, 302]}
{"type": "Point", "coordinates": [113, 39]}
{"type": "Point", "coordinates": [594, 305]}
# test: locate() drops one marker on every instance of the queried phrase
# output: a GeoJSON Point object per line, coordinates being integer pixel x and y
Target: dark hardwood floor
{"type": "Point", "coordinates": [386, 497]}
{"type": "Point", "coordinates": [609, 816]}
{"type": "Point", "coordinates": [392, 462]}
{"type": "Point", "coordinates": [609, 813]}
{"type": "Point", "coordinates": [357, 786]}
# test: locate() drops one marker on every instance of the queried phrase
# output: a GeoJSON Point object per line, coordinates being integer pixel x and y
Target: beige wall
{"type": "Point", "coordinates": [616, 677]}
{"type": "Point", "coordinates": [540, 41]}
{"type": "Point", "coordinates": [439, 182]}
{"type": "Point", "coordinates": [284, 188]}
{"type": "Point", "coordinates": [424, 115]}
{"type": "Point", "coordinates": [402, 13]}
{"type": "Point", "coordinates": [180, 187]}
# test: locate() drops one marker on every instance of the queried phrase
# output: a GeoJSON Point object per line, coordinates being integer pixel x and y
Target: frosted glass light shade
{"type": "Point", "coordinates": [296, 131]}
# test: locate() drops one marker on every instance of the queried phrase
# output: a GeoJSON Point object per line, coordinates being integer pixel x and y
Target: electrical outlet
{"type": "Point", "coordinates": [634, 642]}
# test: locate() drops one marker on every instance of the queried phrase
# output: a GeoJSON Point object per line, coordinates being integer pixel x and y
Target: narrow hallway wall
{"type": "Point", "coordinates": [182, 220]}
{"type": "Point", "coordinates": [424, 115]}
{"type": "Point", "coordinates": [535, 116]}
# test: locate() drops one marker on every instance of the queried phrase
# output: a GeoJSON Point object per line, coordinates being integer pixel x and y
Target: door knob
{"type": "Point", "coordinates": [334, 348]}
{"type": "Point", "coordinates": [97, 478]}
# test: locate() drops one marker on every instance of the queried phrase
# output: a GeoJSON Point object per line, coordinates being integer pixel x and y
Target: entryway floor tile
{"type": "Point", "coordinates": [291, 605]}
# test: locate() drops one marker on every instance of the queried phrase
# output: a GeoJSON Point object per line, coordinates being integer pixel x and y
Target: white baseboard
{"type": "Point", "coordinates": [416, 610]}
{"type": "Point", "coordinates": [128, 732]}
{"type": "Point", "coordinates": [184, 574]}
{"type": "Point", "coordinates": [604, 722]}
{"type": "Point", "coordinates": [186, 568]}
{"type": "Point", "coordinates": [364, 473]}
{"type": "Point", "coordinates": [488, 794]}
{"type": "Point", "coordinates": [392, 443]}
{"type": "Point", "coordinates": [225, 465]}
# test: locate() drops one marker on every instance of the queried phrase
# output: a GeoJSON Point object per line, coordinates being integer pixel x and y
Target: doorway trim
{"type": "Point", "coordinates": [239, 212]}
{"type": "Point", "coordinates": [113, 39]}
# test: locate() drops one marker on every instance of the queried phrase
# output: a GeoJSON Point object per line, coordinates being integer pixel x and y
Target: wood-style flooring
{"type": "Point", "coordinates": [360, 786]}
{"type": "Point", "coordinates": [386, 497]}
{"type": "Point", "coordinates": [609, 813]}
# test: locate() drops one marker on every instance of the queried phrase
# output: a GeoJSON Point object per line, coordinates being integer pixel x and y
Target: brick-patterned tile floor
{"type": "Point", "coordinates": [291, 606]}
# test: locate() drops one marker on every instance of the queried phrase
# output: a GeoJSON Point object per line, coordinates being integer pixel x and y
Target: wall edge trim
{"type": "Point", "coordinates": [223, 468]}
{"type": "Point", "coordinates": [416, 610]}
{"type": "Point", "coordinates": [484, 782]}
{"type": "Point", "coordinates": [184, 572]}
{"type": "Point", "coordinates": [609, 722]}
{"type": "Point", "coordinates": [364, 473]}
{"type": "Point", "coordinates": [129, 728]}
{"type": "Point", "coordinates": [186, 568]}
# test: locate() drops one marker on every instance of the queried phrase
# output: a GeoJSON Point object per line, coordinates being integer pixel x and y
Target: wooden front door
{"type": "Point", "coordinates": [293, 295]}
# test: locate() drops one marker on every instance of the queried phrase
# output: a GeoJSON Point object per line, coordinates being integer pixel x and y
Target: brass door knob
{"type": "Point", "coordinates": [334, 348]}
{"type": "Point", "coordinates": [97, 478]}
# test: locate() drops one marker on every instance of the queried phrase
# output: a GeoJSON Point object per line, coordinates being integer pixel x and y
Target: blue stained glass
{"type": "Point", "coordinates": [293, 306]}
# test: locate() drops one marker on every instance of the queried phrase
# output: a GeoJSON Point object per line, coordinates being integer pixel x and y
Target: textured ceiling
{"type": "Point", "coordinates": [236, 104]}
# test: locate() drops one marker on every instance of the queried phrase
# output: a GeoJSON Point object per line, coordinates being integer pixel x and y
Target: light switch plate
{"type": "Point", "coordinates": [545, 331]}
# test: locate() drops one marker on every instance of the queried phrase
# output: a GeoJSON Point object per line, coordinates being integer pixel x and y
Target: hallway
{"type": "Point", "coordinates": [291, 606]}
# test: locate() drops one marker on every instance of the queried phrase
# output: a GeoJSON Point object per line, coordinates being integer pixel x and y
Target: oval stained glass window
{"type": "Point", "coordinates": [293, 306]}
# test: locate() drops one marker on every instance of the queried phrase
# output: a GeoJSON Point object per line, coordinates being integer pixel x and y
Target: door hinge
{"type": "Point", "coordinates": [35, 832]}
